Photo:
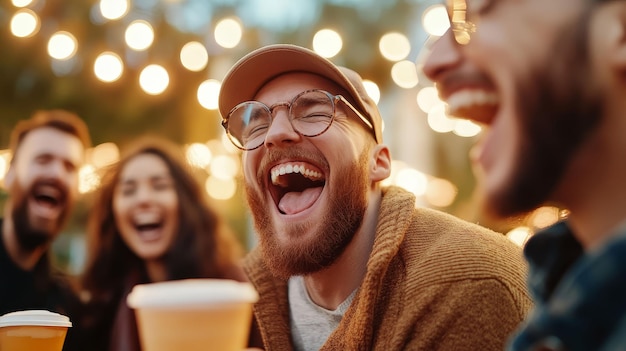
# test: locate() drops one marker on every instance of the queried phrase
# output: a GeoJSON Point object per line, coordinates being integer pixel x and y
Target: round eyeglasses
{"type": "Point", "coordinates": [461, 27]}
{"type": "Point", "coordinates": [310, 113]}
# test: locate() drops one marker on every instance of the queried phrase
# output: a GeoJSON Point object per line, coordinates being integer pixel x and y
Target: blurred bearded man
{"type": "Point", "coordinates": [42, 183]}
{"type": "Point", "coordinates": [547, 79]}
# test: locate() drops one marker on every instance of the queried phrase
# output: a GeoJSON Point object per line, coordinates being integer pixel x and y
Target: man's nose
{"type": "Point", "coordinates": [281, 130]}
{"type": "Point", "coordinates": [443, 54]}
{"type": "Point", "coordinates": [57, 169]}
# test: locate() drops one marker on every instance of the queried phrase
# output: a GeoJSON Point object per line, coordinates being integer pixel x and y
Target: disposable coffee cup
{"type": "Point", "coordinates": [193, 314]}
{"type": "Point", "coordinates": [29, 330]}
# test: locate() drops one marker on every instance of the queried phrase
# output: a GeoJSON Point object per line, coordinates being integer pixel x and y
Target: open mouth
{"type": "Point", "coordinates": [48, 200]}
{"type": "Point", "coordinates": [295, 186]}
{"type": "Point", "coordinates": [148, 226]}
{"type": "Point", "coordinates": [474, 104]}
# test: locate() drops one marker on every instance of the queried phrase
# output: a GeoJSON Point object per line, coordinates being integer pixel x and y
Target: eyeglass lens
{"type": "Point", "coordinates": [310, 114]}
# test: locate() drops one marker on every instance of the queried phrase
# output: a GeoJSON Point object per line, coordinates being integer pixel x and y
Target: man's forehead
{"type": "Point", "coordinates": [53, 141]}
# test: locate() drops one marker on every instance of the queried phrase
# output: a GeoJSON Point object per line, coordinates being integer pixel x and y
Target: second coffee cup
{"type": "Point", "coordinates": [193, 314]}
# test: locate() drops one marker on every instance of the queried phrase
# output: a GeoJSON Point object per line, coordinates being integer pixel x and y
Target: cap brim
{"type": "Point", "coordinates": [254, 70]}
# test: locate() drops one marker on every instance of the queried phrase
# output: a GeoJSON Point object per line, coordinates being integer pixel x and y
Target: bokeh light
{"type": "Point", "coordinates": [220, 189]}
{"type": "Point", "coordinates": [208, 94]}
{"type": "Point", "coordinates": [88, 179]}
{"type": "Point", "coordinates": [154, 79]}
{"type": "Point", "coordinates": [108, 67]}
{"type": "Point", "coordinates": [198, 155]}
{"type": "Point", "coordinates": [412, 180]}
{"type": "Point", "coordinates": [404, 74]}
{"type": "Point", "coordinates": [327, 43]}
{"type": "Point", "coordinates": [440, 192]}
{"type": "Point", "coordinates": [466, 128]}
{"type": "Point", "coordinates": [439, 121]}
{"type": "Point", "coordinates": [104, 154]}
{"type": "Point", "coordinates": [519, 235]}
{"type": "Point", "coordinates": [544, 217]}
{"type": "Point", "coordinates": [113, 9]}
{"type": "Point", "coordinates": [394, 46]}
{"type": "Point", "coordinates": [139, 35]}
{"type": "Point", "coordinates": [228, 33]}
{"type": "Point", "coordinates": [193, 56]}
{"type": "Point", "coordinates": [427, 98]}
{"type": "Point", "coordinates": [21, 3]}
{"type": "Point", "coordinates": [435, 20]}
{"type": "Point", "coordinates": [224, 167]}
{"type": "Point", "coordinates": [62, 45]}
{"type": "Point", "coordinates": [4, 163]}
{"type": "Point", "coordinates": [25, 23]}
{"type": "Point", "coordinates": [372, 90]}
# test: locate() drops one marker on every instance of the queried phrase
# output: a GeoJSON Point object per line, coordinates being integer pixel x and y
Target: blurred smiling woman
{"type": "Point", "coordinates": [150, 222]}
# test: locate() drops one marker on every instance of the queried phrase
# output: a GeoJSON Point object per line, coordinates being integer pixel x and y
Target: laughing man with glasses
{"type": "Point", "coordinates": [344, 263]}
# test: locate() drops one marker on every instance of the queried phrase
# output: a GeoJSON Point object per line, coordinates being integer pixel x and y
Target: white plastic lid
{"type": "Point", "coordinates": [34, 317]}
{"type": "Point", "coordinates": [191, 293]}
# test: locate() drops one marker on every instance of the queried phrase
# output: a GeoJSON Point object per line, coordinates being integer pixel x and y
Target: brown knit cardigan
{"type": "Point", "coordinates": [433, 282]}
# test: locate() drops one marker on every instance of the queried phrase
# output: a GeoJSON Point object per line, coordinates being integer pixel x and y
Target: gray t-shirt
{"type": "Point", "coordinates": [311, 324]}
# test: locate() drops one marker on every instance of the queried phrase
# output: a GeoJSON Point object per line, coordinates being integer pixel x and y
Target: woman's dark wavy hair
{"type": "Point", "coordinates": [204, 246]}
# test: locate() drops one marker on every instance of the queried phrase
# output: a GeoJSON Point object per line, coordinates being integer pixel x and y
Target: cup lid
{"type": "Point", "coordinates": [191, 293]}
{"type": "Point", "coordinates": [34, 317]}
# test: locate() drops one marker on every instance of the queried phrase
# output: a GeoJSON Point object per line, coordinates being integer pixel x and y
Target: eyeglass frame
{"type": "Point", "coordinates": [462, 29]}
{"type": "Point", "coordinates": [270, 110]}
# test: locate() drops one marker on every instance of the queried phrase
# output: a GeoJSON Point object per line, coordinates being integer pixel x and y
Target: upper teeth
{"type": "Point", "coordinates": [288, 169]}
{"type": "Point", "coordinates": [471, 97]}
{"type": "Point", "coordinates": [146, 218]}
{"type": "Point", "coordinates": [49, 191]}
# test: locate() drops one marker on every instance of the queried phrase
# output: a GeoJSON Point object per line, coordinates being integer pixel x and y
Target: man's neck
{"type": "Point", "coordinates": [25, 259]}
{"type": "Point", "coordinates": [329, 287]}
{"type": "Point", "coordinates": [593, 188]}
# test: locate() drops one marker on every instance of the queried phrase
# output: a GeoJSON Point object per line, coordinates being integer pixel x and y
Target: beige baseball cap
{"type": "Point", "coordinates": [254, 70]}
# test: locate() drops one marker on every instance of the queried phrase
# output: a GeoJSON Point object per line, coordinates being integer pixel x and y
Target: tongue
{"type": "Point", "coordinates": [150, 234]}
{"type": "Point", "coordinates": [295, 202]}
{"type": "Point", "coordinates": [45, 209]}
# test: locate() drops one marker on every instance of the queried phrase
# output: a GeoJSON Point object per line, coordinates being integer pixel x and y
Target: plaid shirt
{"type": "Point", "coordinates": [580, 297]}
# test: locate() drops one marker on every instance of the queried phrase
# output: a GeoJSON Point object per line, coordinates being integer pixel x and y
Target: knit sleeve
{"type": "Point", "coordinates": [470, 315]}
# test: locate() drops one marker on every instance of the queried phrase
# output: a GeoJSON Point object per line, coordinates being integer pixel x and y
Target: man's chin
{"type": "Point", "coordinates": [37, 233]}
{"type": "Point", "coordinates": [279, 267]}
{"type": "Point", "coordinates": [505, 207]}
{"type": "Point", "coordinates": [51, 226]}
{"type": "Point", "coordinates": [297, 256]}
{"type": "Point", "coordinates": [34, 239]}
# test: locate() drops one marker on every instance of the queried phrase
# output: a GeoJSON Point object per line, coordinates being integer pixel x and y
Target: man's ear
{"type": "Point", "coordinates": [613, 28]}
{"type": "Point", "coordinates": [381, 163]}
